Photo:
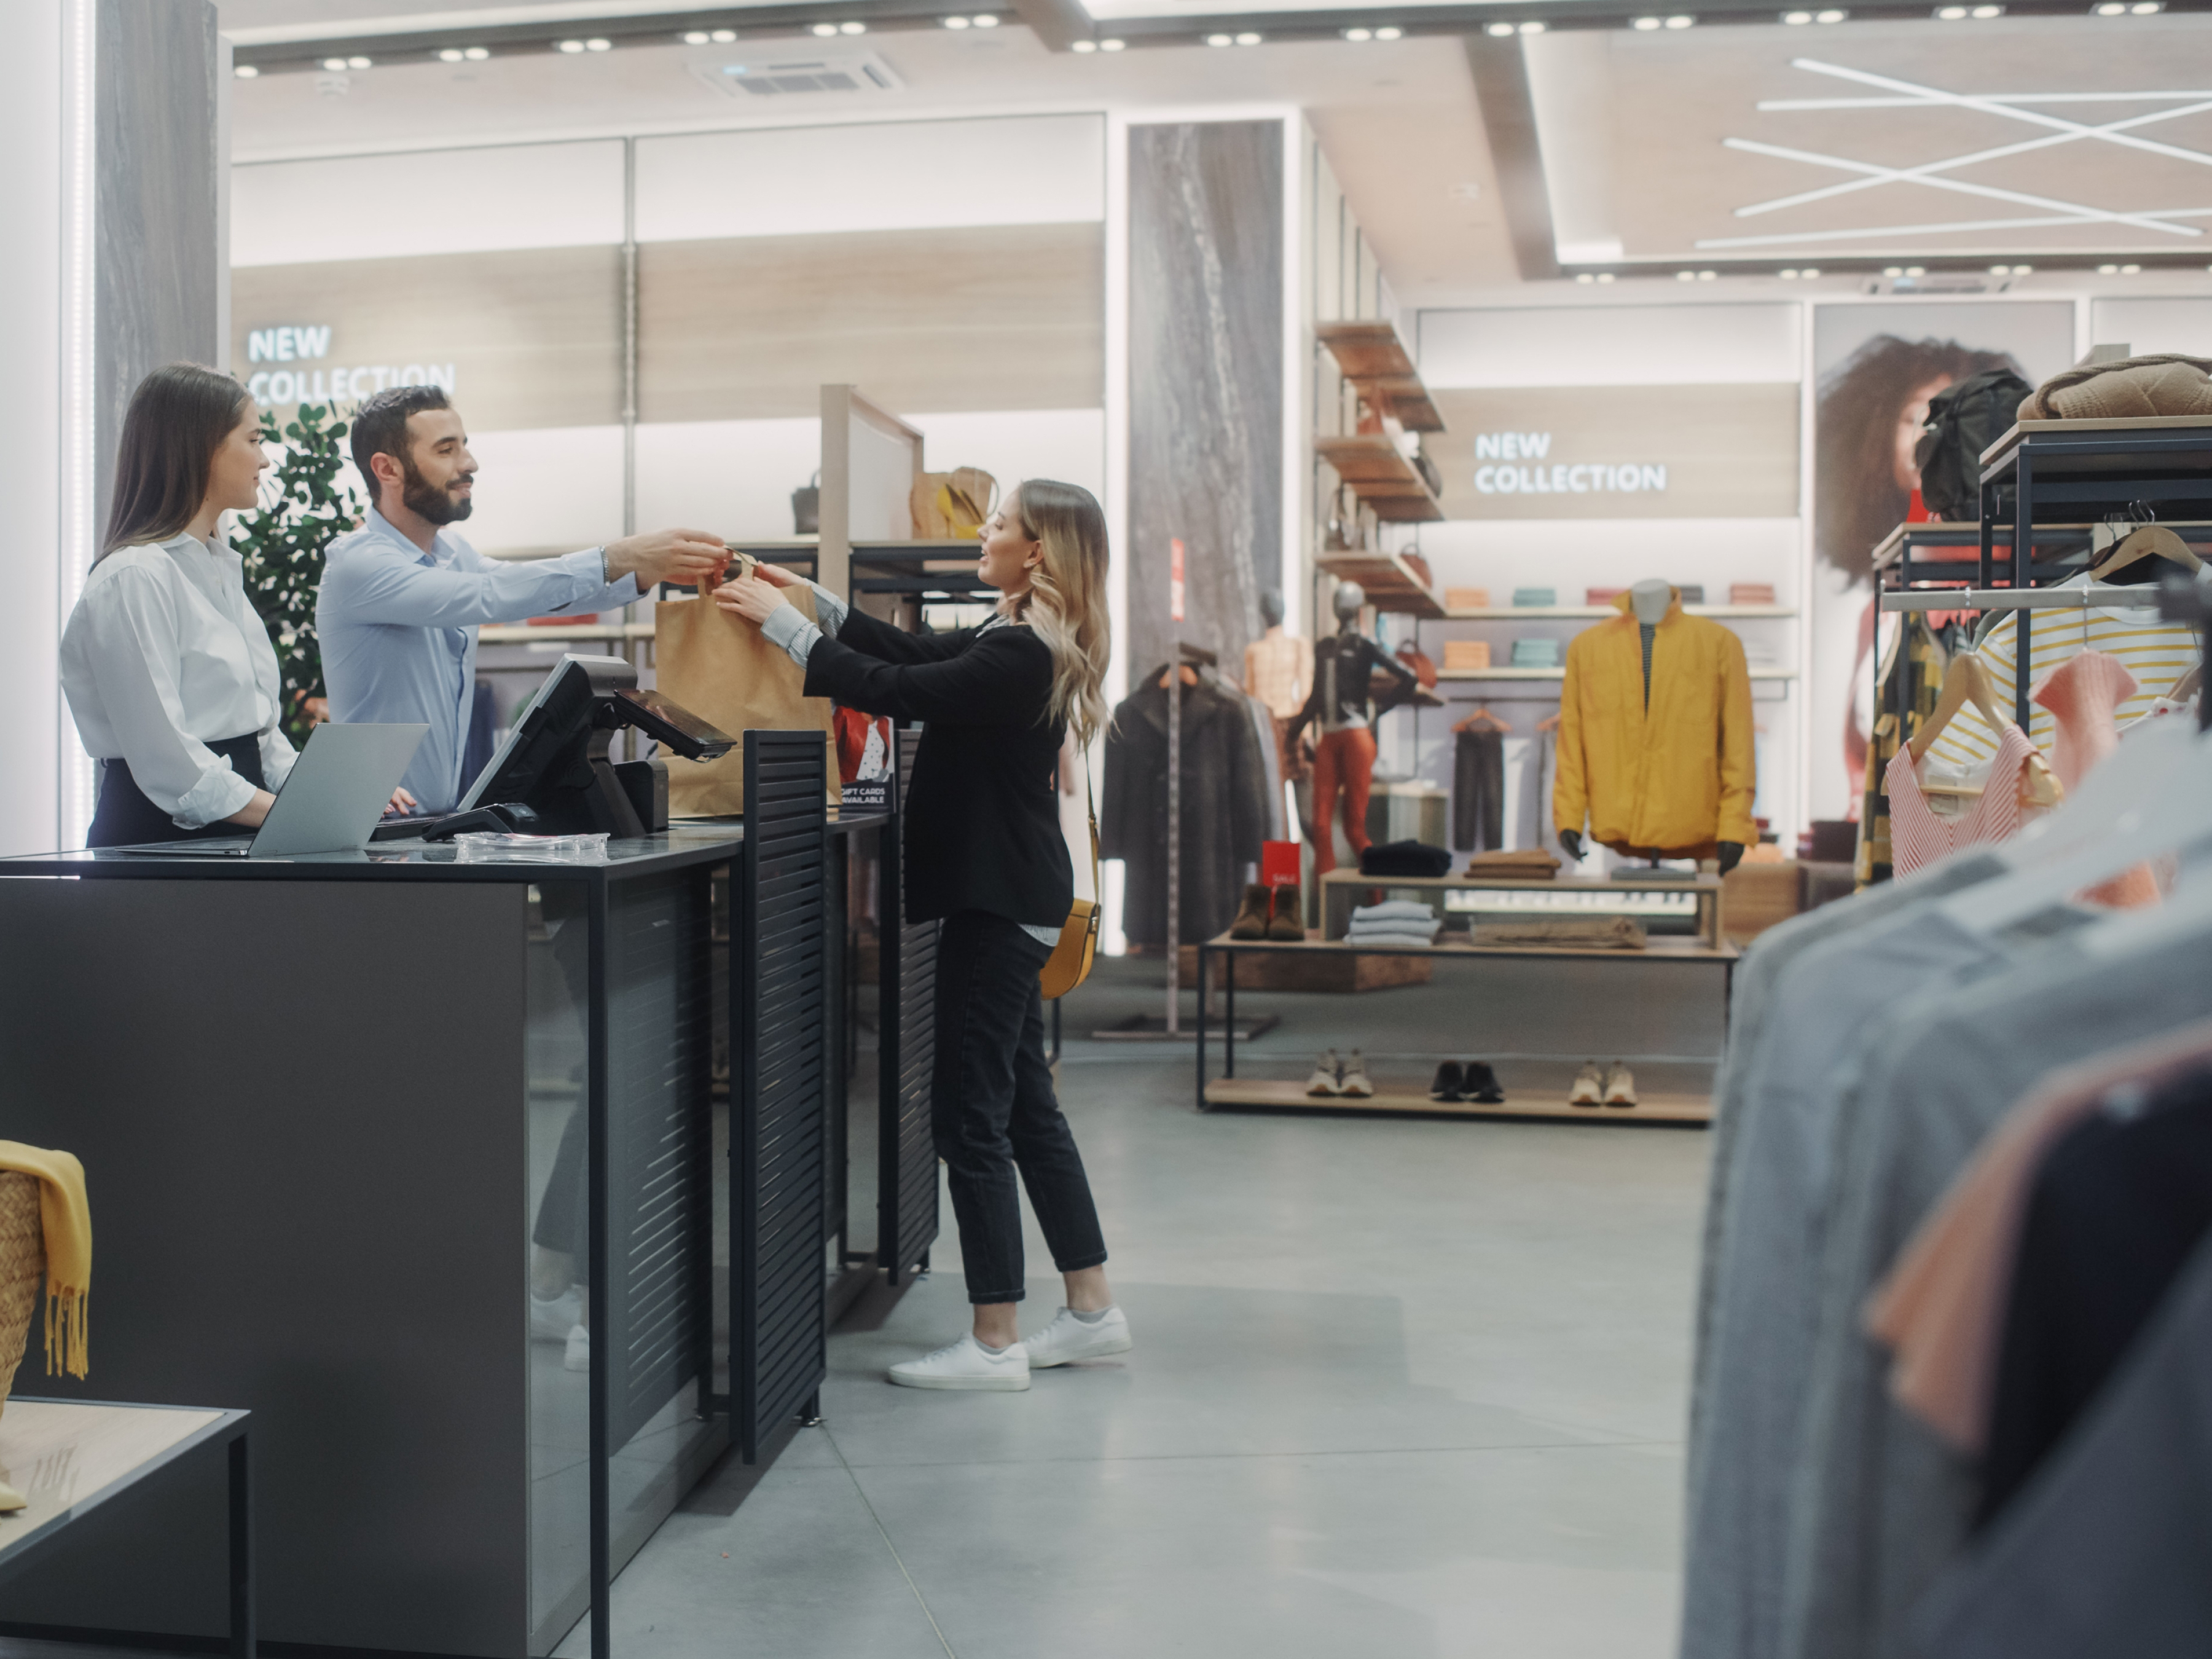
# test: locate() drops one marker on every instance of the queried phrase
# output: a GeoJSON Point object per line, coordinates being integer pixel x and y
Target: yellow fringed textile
{"type": "Point", "coordinates": [66, 1220]}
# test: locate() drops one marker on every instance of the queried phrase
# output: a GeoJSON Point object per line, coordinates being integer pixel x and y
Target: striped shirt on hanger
{"type": "Point", "coordinates": [2156, 653]}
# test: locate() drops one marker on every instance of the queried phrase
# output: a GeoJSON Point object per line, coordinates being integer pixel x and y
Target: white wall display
{"type": "Point", "coordinates": [2154, 326]}
{"type": "Point", "coordinates": [1702, 344]}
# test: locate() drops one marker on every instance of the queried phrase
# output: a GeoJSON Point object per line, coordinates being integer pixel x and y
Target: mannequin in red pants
{"type": "Point", "coordinates": [1346, 761]}
{"type": "Point", "coordinates": [1343, 711]}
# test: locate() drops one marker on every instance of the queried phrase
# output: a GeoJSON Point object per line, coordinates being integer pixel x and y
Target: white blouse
{"type": "Point", "coordinates": [163, 655]}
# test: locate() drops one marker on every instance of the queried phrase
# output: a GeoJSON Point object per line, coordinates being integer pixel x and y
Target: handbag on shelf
{"type": "Point", "coordinates": [950, 507]}
{"type": "Point", "coordinates": [725, 671]}
{"type": "Point", "coordinates": [1069, 964]}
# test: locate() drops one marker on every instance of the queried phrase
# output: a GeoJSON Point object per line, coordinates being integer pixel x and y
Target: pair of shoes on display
{"type": "Point", "coordinates": [1336, 1075]}
{"type": "Point", "coordinates": [1270, 913]}
{"type": "Point", "coordinates": [1603, 1085]}
{"type": "Point", "coordinates": [1474, 1081]}
{"type": "Point", "coordinates": [968, 1364]}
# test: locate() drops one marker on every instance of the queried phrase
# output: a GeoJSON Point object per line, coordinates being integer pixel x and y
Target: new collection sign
{"type": "Point", "coordinates": [327, 382]}
{"type": "Point", "coordinates": [1639, 452]}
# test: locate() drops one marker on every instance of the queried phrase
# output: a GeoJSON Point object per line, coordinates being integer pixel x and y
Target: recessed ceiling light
{"type": "Point", "coordinates": [1086, 47]}
{"type": "Point", "coordinates": [1111, 44]}
{"type": "Point", "coordinates": [825, 30]}
{"type": "Point", "coordinates": [1358, 34]}
{"type": "Point", "coordinates": [596, 44]}
{"type": "Point", "coordinates": [1796, 19]}
{"type": "Point", "coordinates": [2108, 271]}
{"type": "Point", "coordinates": [1585, 276]}
{"type": "Point", "coordinates": [2110, 8]}
{"type": "Point", "coordinates": [1686, 275]}
{"type": "Point", "coordinates": [962, 24]}
{"type": "Point", "coordinates": [2130, 271]}
{"type": "Point", "coordinates": [852, 26]}
{"type": "Point", "coordinates": [1605, 275]}
{"type": "Point", "coordinates": [1219, 40]}
{"type": "Point", "coordinates": [1790, 276]}
{"type": "Point", "coordinates": [696, 38]}
{"type": "Point", "coordinates": [1679, 22]}
{"type": "Point", "coordinates": [359, 62]}
{"type": "Point", "coordinates": [2000, 270]}
{"type": "Point", "coordinates": [1830, 15]}
{"type": "Point", "coordinates": [1707, 276]}
{"type": "Point", "coordinates": [245, 72]}
{"type": "Point", "coordinates": [2147, 8]}
{"type": "Point", "coordinates": [1499, 29]}
{"type": "Point", "coordinates": [570, 46]}
{"type": "Point", "coordinates": [450, 55]}
{"type": "Point", "coordinates": [1916, 270]}
{"type": "Point", "coordinates": [1532, 28]}
{"type": "Point", "coordinates": [1390, 32]}
{"type": "Point", "coordinates": [335, 65]}
{"type": "Point", "coordinates": [987, 20]}
{"type": "Point", "coordinates": [1809, 273]}
{"type": "Point", "coordinates": [1248, 38]}
{"type": "Point", "coordinates": [476, 54]}
{"type": "Point", "coordinates": [1988, 11]}
{"type": "Point", "coordinates": [1951, 13]}
{"type": "Point", "coordinates": [723, 37]}
{"type": "Point", "coordinates": [2023, 271]}
{"type": "Point", "coordinates": [1645, 25]}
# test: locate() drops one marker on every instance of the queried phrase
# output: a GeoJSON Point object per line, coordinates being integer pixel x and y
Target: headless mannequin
{"type": "Point", "coordinates": [1649, 602]}
{"type": "Point", "coordinates": [1279, 670]}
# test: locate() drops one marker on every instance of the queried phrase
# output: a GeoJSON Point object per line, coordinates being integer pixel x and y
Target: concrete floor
{"type": "Point", "coordinates": [1401, 1387]}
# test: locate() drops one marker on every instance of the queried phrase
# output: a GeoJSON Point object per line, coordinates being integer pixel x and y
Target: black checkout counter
{"type": "Point", "coordinates": [320, 1102]}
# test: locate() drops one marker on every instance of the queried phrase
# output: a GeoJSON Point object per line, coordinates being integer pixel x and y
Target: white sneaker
{"type": "Point", "coordinates": [551, 1318]}
{"type": "Point", "coordinates": [1069, 1338]}
{"type": "Point", "coordinates": [578, 1357]}
{"type": "Point", "coordinates": [966, 1364]}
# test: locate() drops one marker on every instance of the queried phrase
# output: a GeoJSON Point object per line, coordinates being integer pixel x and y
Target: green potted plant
{"type": "Point", "coordinates": [305, 506]}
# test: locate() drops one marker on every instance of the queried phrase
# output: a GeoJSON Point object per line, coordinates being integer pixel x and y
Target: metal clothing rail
{"type": "Point", "coordinates": [2110, 595]}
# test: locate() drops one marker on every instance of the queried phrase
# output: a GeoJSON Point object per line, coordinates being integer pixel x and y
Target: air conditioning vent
{"type": "Point", "coordinates": [1938, 281]}
{"type": "Point", "coordinates": [765, 79]}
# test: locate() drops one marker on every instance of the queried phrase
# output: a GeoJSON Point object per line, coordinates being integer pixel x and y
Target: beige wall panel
{"type": "Point", "coordinates": [534, 338]}
{"type": "Point", "coordinates": [1001, 317]}
{"type": "Point", "coordinates": [1639, 452]}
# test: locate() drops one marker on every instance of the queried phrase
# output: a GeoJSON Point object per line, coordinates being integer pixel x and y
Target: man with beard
{"type": "Point", "coordinates": [402, 596]}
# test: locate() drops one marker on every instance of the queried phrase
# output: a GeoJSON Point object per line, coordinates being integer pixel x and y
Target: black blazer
{"type": "Point", "coordinates": [982, 815]}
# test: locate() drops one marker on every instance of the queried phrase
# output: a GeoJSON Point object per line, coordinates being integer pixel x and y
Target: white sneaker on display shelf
{"type": "Point", "coordinates": [1070, 1337]}
{"type": "Point", "coordinates": [966, 1364]}
{"type": "Point", "coordinates": [578, 1357]}
{"type": "Point", "coordinates": [551, 1318]}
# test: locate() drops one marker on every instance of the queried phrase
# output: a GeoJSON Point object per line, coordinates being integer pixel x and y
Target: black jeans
{"type": "Point", "coordinates": [125, 818]}
{"type": "Point", "coordinates": [1479, 793]}
{"type": "Point", "coordinates": [992, 1109]}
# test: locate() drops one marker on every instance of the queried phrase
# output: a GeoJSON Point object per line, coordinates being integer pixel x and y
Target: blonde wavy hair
{"type": "Point", "coordinates": [1065, 603]}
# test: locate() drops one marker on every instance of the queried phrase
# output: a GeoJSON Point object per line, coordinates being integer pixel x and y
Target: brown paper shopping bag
{"type": "Point", "coordinates": [719, 667]}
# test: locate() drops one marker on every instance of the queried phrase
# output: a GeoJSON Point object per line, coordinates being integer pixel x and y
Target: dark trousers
{"type": "Point", "coordinates": [1479, 793]}
{"type": "Point", "coordinates": [992, 1109]}
{"type": "Point", "coordinates": [125, 818]}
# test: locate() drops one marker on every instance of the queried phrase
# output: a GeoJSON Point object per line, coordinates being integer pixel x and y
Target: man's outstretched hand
{"type": "Point", "coordinates": [687, 557]}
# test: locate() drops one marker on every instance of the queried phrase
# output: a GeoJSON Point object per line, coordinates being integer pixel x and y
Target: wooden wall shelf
{"type": "Point", "coordinates": [1375, 360]}
{"type": "Point", "coordinates": [1385, 480]}
{"type": "Point", "coordinates": [1391, 583]}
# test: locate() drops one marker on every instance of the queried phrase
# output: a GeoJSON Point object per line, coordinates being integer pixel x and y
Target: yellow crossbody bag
{"type": "Point", "coordinates": [1069, 965]}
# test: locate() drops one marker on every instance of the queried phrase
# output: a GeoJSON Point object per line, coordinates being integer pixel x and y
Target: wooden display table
{"type": "Point", "coordinates": [1656, 901]}
{"type": "Point", "coordinates": [68, 1457]}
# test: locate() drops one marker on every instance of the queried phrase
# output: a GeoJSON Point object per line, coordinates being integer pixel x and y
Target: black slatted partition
{"type": "Point", "coordinates": [906, 1202]}
{"type": "Point", "coordinates": [778, 1321]}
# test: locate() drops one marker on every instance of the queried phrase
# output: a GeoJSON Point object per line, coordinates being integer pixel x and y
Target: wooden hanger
{"type": "Point", "coordinates": [1482, 721]}
{"type": "Point", "coordinates": [2185, 687]}
{"type": "Point", "coordinates": [1967, 680]}
{"type": "Point", "coordinates": [1549, 723]}
{"type": "Point", "coordinates": [2151, 541]}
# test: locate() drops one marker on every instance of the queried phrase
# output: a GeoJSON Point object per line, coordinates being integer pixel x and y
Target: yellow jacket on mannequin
{"type": "Point", "coordinates": [1677, 779]}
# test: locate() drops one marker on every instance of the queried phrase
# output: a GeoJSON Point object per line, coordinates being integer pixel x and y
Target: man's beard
{"type": "Point", "coordinates": [429, 502]}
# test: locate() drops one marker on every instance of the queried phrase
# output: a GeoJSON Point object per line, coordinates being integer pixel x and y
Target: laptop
{"type": "Point", "coordinates": [330, 802]}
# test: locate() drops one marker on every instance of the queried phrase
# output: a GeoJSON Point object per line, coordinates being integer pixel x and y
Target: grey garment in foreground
{"type": "Point", "coordinates": [2104, 1551]}
{"type": "Point", "coordinates": [1755, 977]}
{"type": "Point", "coordinates": [1882, 1507]}
{"type": "Point", "coordinates": [1832, 999]}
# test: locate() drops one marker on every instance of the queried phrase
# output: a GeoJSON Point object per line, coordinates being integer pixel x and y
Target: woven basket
{"type": "Point", "coordinates": [22, 1271]}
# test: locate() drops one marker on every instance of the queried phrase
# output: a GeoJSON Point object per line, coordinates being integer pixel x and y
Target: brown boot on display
{"type": "Point", "coordinates": [1287, 922]}
{"type": "Point", "coordinates": [1620, 1085]}
{"type": "Point", "coordinates": [1588, 1088]}
{"type": "Point", "coordinates": [1251, 916]}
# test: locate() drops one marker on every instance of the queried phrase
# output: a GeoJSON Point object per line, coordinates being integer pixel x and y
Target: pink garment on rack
{"type": "Point", "coordinates": [1941, 1309]}
{"type": "Point", "coordinates": [1919, 836]}
{"type": "Point", "coordinates": [2084, 694]}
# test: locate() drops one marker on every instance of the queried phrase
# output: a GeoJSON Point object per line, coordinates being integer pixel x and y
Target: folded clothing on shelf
{"type": "Point", "coordinates": [1751, 593]}
{"type": "Point", "coordinates": [1466, 653]}
{"type": "Point", "coordinates": [1691, 592]}
{"type": "Point", "coordinates": [1404, 858]}
{"type": "Point", "coordinates": [1395, 910]}
{"type": "Point", "coordinates": [1590, 932]}
{"type": "Point", "coordinates": [1535, 596]}
{"type": "Point", "coordinates": [1401, 922]}
{"type": "Point", "coordinates": [1535, 653]}
{"type": "Point", "coordinates": [1467, 598]}
{"type": "Point", "coordinates": [1394, 941]}
{"type": "Point", "coordinates": [1526, 863]}
{"type": "Point", "coordinates": [1601, 595]}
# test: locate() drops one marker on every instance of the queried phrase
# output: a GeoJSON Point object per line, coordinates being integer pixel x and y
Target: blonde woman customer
{"type": "Point", "coordinates": [984, 853]}
{"type": "Point", "coordinates": [168, 671]}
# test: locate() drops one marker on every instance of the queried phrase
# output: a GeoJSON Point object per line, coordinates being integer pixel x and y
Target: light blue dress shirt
{"type": "Point", "coordinates": [398, 632]}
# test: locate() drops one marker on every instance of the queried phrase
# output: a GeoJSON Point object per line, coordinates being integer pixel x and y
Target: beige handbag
{"type": "Point", "coordinates": [951, 505]}
{"type": "Point", "coordinates": [1069, 965]}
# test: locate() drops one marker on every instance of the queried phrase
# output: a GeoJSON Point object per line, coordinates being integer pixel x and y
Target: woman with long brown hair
{"type": "Point", "coordinates": [168, 671]}
{"type": "Point", "coordinates": [985, 854]}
